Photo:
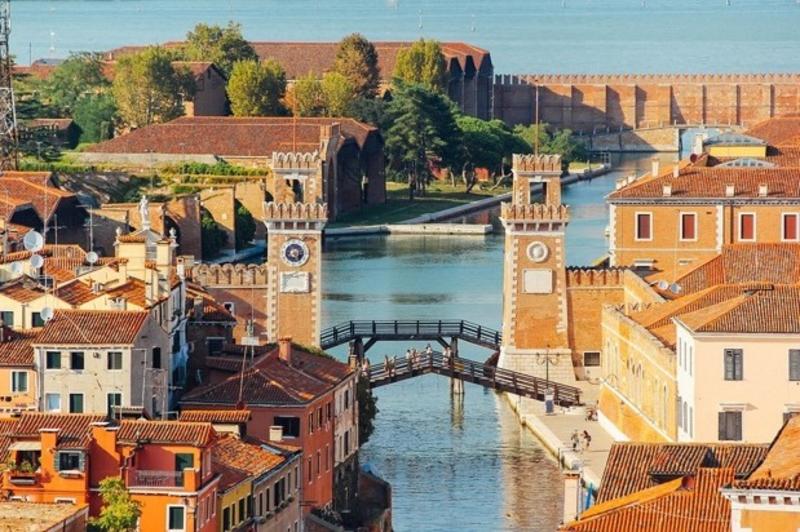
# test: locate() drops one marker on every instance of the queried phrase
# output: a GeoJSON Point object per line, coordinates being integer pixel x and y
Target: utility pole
{"type": "Point", "coordinates": [8, 116]}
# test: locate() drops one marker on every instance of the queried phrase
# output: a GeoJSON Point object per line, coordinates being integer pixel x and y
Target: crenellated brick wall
{"type": "Point", "coordinates": [589, 103]}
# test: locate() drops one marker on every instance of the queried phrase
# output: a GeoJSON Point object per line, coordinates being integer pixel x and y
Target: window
{"type": "Point", "coordinates": [215, 345]}
{"type": "Point", "coordinates": [114, 360]}
{"type": "Point", "coordinates": [241, 510]}
{"type": "Point", "coordinates": [794, 364]}
{"type": "Point", "coordinates": [230, 307]}
{"type": "Point", "coordinates": [291, 425]}
{"type": "Point", "coordinates": [184, 461]}
{"type": "Point", "coordinates": [733, 364]}
{"type": "Point", "coordinates": [76, 360]}
{"type": "Point", "coordinates": [53, 360]}
{"type": "Point", "coordinates": [688, 226]}
{"type": "Point", "coordinates": [176, 518]}
{"type": "Point", "coordinates": [691, 423]}
{"type": "Point", "coordinates": [296, 478]}
{"type": "Point", "coordinates": [52, 402]}
{"type": "Point", "coordinates": [319, 461]}
{"type": "Point", "coordinates": [327, 458]}
{"type": "Point", "coordinates": [319, 416]}
{"type": "Point", "coordinates": [347, 443]}
{"type": "Point", "coordinates": [311, 423]}
{"type": "Point", "coordinates": [249, 506]}
{"type": "Point", "coordinates": [328, 410]}
{"type": "Point", "coordinates": [8, 318]}
{"type": "Point", "coordinates": [70, 461]}
{"type": "Point", "coordinates": [308, 467]}
{"type": "Point", "coordinates": [267, 499]}
{"type": "Point", "coordinates": [113, 399]}
{"type": "Point", "coordinates": [36, 319]}
{"type": "Point", "coordinates": [76, 403]}
{"type": "Point", "coordinates": [176, 342]}
{"type": "Point", "coordinates": [19, 381]}
{"type": "Point", "coordinates": [226, 519]}
{"type": "Point", "coordinates": [680, 417]}
{"type": "Point", "coordinates": [591, 358]}
{"type": "Point", "coordinates": [791, 227]}
{"type": "Point", "coordinates": [730, 426]}
{"type": "Point", "coordinates": [644, 229]}
{"type": "Point", "coordinates": [156, 361]}
{"type": "Point", "coordinates": [747, 226]}
{"type": "Point", "coordinates": [346, 399]}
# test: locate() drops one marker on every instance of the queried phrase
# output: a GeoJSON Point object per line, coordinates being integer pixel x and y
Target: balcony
{"type": "Point", "coordinates": [22, 478]}
{"type": "Point", "coordinates": [187, 480]}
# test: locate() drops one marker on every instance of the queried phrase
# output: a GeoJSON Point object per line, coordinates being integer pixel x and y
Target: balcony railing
{"type": "Point", "coordinates": [150, 478]}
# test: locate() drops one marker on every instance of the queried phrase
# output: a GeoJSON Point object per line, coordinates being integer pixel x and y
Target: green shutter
{"type": "Point", "coordinates": [721, 432]}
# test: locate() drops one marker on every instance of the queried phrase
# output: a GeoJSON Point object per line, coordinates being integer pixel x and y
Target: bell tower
{"type": "Point", "coordinates": [535, 325]}
{"type": "Point", "coordinates": [294, 258]}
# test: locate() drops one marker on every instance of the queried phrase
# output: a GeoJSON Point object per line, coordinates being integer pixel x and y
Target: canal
{"type": "Point", "coordinates": [455, 466]}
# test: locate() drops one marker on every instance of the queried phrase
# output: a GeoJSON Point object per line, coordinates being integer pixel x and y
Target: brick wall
{"type": "Point", "coordinates": [594, 102]}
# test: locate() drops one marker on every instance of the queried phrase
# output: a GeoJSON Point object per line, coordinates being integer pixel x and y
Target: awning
{"type": "Point", "coordinates": [26, 446]}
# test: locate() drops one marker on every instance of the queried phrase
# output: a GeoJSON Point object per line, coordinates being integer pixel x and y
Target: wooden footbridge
{"type": "Point", "coordinates": [410, 330]}
{"type": "Point", "coordinates": [486, 375]}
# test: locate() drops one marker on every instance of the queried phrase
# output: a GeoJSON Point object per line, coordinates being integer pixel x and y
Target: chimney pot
{"type": "Point", "coordinates": [676, 171]}
{"type": "Point", "coordinates": [730, 190]}
{"type": "Point", "coordinates": [763, 190]}
{"type": "Point", "coordinates": [285, 349]}
{"type": "Point", "coordinates": [698, 148]}
{"type": "Point", "coordinates": [275, 433]}
{"type": "Point", "coordinates": [667, 190]}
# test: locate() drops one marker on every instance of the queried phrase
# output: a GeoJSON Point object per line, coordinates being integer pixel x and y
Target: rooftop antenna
{"type": "Point", "coordinates": [8, 116]}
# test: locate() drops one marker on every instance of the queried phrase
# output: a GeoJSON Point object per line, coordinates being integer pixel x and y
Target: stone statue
{"type": "Point", "coordinates": [144, 212]}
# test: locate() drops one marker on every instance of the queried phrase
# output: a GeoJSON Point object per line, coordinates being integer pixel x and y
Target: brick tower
{"type": "Point", "coordinates": [535, 325]}
{"type": "Point", "coordinates": [294, 254]}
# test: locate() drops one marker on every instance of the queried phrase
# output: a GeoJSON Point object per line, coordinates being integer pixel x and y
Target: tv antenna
{"type": "Point", "coordinates": [8, 116]}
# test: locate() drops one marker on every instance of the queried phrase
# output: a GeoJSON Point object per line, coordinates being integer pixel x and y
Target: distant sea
{"type": "Point", "coordinates": [643, 36]}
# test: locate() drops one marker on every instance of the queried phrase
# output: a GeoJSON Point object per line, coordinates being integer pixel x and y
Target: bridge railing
{"type": "Point", "coordinates": [347, 331]}
{"type": "Point", "coordinates": [477, 372]}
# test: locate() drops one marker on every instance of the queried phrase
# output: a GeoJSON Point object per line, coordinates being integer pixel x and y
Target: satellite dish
{"type": "Point", "coordinates": [37, 261]}
{"type": "Point", "coordinates": [91, 257]}
{"type": "Point", "coordinates": [46, 313]}
{"type": "Point", "coordinates": [663, 285]}
{"type": "Point", "coordinates": [16, 268]}
{"type": "Point", "coordinates": [675, 288]}
{"type": "Point", "coordinates": [33, 241]}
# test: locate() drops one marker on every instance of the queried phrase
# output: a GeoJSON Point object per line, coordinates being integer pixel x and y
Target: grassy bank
{"type": "Point", "coordinates": [398, 207]}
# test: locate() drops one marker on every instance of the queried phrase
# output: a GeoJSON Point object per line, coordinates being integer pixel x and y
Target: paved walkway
{"type": "Point", "coordinates": [555, 432]}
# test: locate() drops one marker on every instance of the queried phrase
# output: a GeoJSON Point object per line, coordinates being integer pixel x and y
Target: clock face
{"type": "Point", "coordinates": [538, 252]}
{"type": "Point", "coordinates": [294, 252]}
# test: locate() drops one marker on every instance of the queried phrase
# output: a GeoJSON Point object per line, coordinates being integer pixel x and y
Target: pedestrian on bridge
{"type": "Point", "coordinates": [410, 359]}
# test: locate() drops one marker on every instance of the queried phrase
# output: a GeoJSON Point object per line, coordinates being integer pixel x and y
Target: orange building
{"type": "Point", "coordinates": [286, 387]}
{"type": "Point", "coordinates": [18, 379]}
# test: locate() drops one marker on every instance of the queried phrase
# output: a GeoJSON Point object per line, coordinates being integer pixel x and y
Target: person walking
{"type": "Point", "coordinates": [387, 365]}
{"type": "Point", "coordinates": [576, 440]}
{"type": "Point", "coordinates": [410, 359]}
{"type": "Point", "coordinates": [394, 365]}
{"type": "Point", "coordinates": [587, 438]}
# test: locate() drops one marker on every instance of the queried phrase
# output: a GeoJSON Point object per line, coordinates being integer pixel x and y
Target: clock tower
{"type": "Point", "coordinates": [535, 325]}
{"type": "Point", "coordinates": [294, 261]}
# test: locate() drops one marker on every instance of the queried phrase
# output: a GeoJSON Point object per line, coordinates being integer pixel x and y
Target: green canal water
{"type": "Point", "coordinates": [455, 466]}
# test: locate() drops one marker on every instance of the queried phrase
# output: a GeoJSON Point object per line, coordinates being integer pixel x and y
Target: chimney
{"type": "Point", "coordinates": [655, 167]}
{"type": "Point", "coordinates": [676, 171]}
{"type": "Point", "coordinates": [666, 190]}
{"type": "Point", "coordinates": [276, 433]}
{"type": "Point", "coordinates": [697, 149]}
{"type": "Point", "coordinates": [730, 190]}
{"type": "Point", "coordinates": [763, 190]}
{"type": "Point", "coordinates": [621, 182]}
{"type": "Point", "coordinates": [285, 349]}
{"type": "Point", "coordinates": [198, 307]}
{"type": "Point", "coordinates": [2, 332]}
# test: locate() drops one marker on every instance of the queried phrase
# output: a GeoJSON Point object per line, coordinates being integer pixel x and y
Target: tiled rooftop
{"type": "Point", "coordinates": [89, 327]}
{"type": "Point", "coordinates": [34, 516]}
{"type": "Point", "coordinates": [778, 131]}
{"type": "Point", "coordinates": [74, 430]}
{"type": "Point", "coordinates": [16, 350]}
{"type": "Point", "coordinates": [216, 416]}
{"type": "Point", "coordinates": [780, 470]}
{"type": "Point", "coordinates": [249, 458]}
{"type": "Point", "coordinates": [165, 432]}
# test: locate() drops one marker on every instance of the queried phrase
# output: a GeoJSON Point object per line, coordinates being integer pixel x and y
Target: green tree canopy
{"type": "Point", "coordinates": [94, 114]}
{"type": "Point", "coordinates": [148, 89]}
{"type": "Point", "coordinates": [423, 132]}
{"type": "Point", "coordinates": [357, 60]}
{"type": "Point", "coordinates": [223, 46]}
{"type": "Point", "coordinates": [213, 239]}
{"type": "Point", "coordinates": [561, 142]}
{"type": "Point", "coordinates": [306, 96]}
{"type": "Point", "coordinates": [119, 513]}
{"type": "Point", "coordinates": [245, 226]}
{"type": "Point", "coordinates": [423, 62]}
{"type": "Point", "coordinates": [367, 410]}
{"type": "Point", "coordinates": [78, 76]}
{"type": "Point", "coordinates": [338, 94]}
{"type": "Point", "coordinates": [257, 89]}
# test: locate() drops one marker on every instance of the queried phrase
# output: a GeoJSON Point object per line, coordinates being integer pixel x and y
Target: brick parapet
{"type": "Point", "coordinates": [549, 164]}
{"type": "Point", "coordinates": [537, 212]}
{"type": "Point", "coordinates": [589, 277]}
{"type": "Point", "coordinates": [295, 161]}
{"type": "Point", "coordinates": [543, 79]}
{"type": "Point", "coordinates": [296, 212]}
{"type": "Point", "coordinates": [230, 275]}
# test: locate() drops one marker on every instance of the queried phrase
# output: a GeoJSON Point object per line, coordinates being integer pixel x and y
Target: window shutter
{"type": "Point", "coordinates": [737, 425]}
{"type": "Point", "coordinates": [728, 365]}
{"type": "Point", "coordinates": [747, 228]}
{"type": "Point", "coordinates": [794, 364]}
{"type": "Point", "coordinates": [790, 227]}
{"type": "Point", "coordinates": [738, 363]}
{"type": "Point", "coordinates": [721, 433]}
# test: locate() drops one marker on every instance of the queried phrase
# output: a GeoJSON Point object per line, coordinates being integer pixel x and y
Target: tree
{"type": "Point", "coordinates": [561, 143]}
{"type": "Point", "coordinates": [119, 513]}
{"type": "Point", "coordinates": [78, 76]}
{"type": "Point", "coordinates": [94, 114]}
{"type": "Point", "coordinates": [481, 148]}
{"type": "Point", "coordinates": [423, 62]}
{"type": "Point", "coordinates": [357, 60]}
{"type": "Point", "coordinates": [306, 97]}
{"type": "Point", "coordinates": [213, 239]}
{"type": "Point", "coordinates": [367, 410]}
{"type": "Point", "coordinates": [371, 111]}
{"type": "Point", "coordinates": [148, 89]}
{"type": "Point", "coordinates": [222, 46]}
{"type": "Point", "coordinates": [257, 89]}
{"type": "Point", "coordinates": [338, 94]}
{"type": "Point", "coordinates": [423, 130]}
{"type": "Point", "coordinates": [245, 226]}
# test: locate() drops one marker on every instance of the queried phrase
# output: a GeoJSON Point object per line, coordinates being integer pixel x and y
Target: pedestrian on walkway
{"type": "Point", "coordinates": [394, 365]}
{"type": "Point", "coordinates": [576, 440]}
{"type": "Point", "coordinates": [587, 438]}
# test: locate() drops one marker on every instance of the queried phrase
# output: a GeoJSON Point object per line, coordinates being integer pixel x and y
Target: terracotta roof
{"type": "Point", "coordinates": [246, 457]}
{"type": "Point", "coordinates": [133, 290]}
{"type": "Point", "coordinates": [23, 289]}
{"type": "Point", "coordinates": [634, 466]}
{"type": "Point", "coordinates": [690, 504]}
{"type": "Point", "coordinates": [35, 187]}
{"type": "Point", "coordinates": [778, 131]}
{"type": "Point", "coordinates": [93, 327]}
{"type": "Point", "coordinates": [55, 123]}
{"type": "Point", "coordinates": [271, 381]}
{"type": "Point", "coordinates": [165, 432]}
{"type": "Point", "coordinates": [710, 182]}
{"type": "Point", "coordinates": [16, 349]}
{"type": "Point", "coordinates": [216, 416]}
{"type": "Point", "coordinates": [61, 251]}
{"type": "Point", "coordinates": [780, 469]}
{"type": "Point", "coordinates": [76, 293]}
{"type": "Point", "coordinates": [232, 136]}
{"type": "Point", "coordinates": [212, 311]}
{"type": "Point", "coordinates": [74, 429]}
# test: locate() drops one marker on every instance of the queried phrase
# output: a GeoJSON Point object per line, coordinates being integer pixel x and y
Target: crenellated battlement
{"type": "Point", "coordinates": [296, 212]}
{"type": "Point", "coordinates": [536, 212]}
{"type": "Point", "coordinates": [295, 161]}
{"type": "Point", "coordinates": [525, 163]}
{"type": "Point", "coordinates": [545, 79]}
{"type": "Point", "coordinates": [230, 274]}
{"type": "Point", "coordinates": [587, 277]}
